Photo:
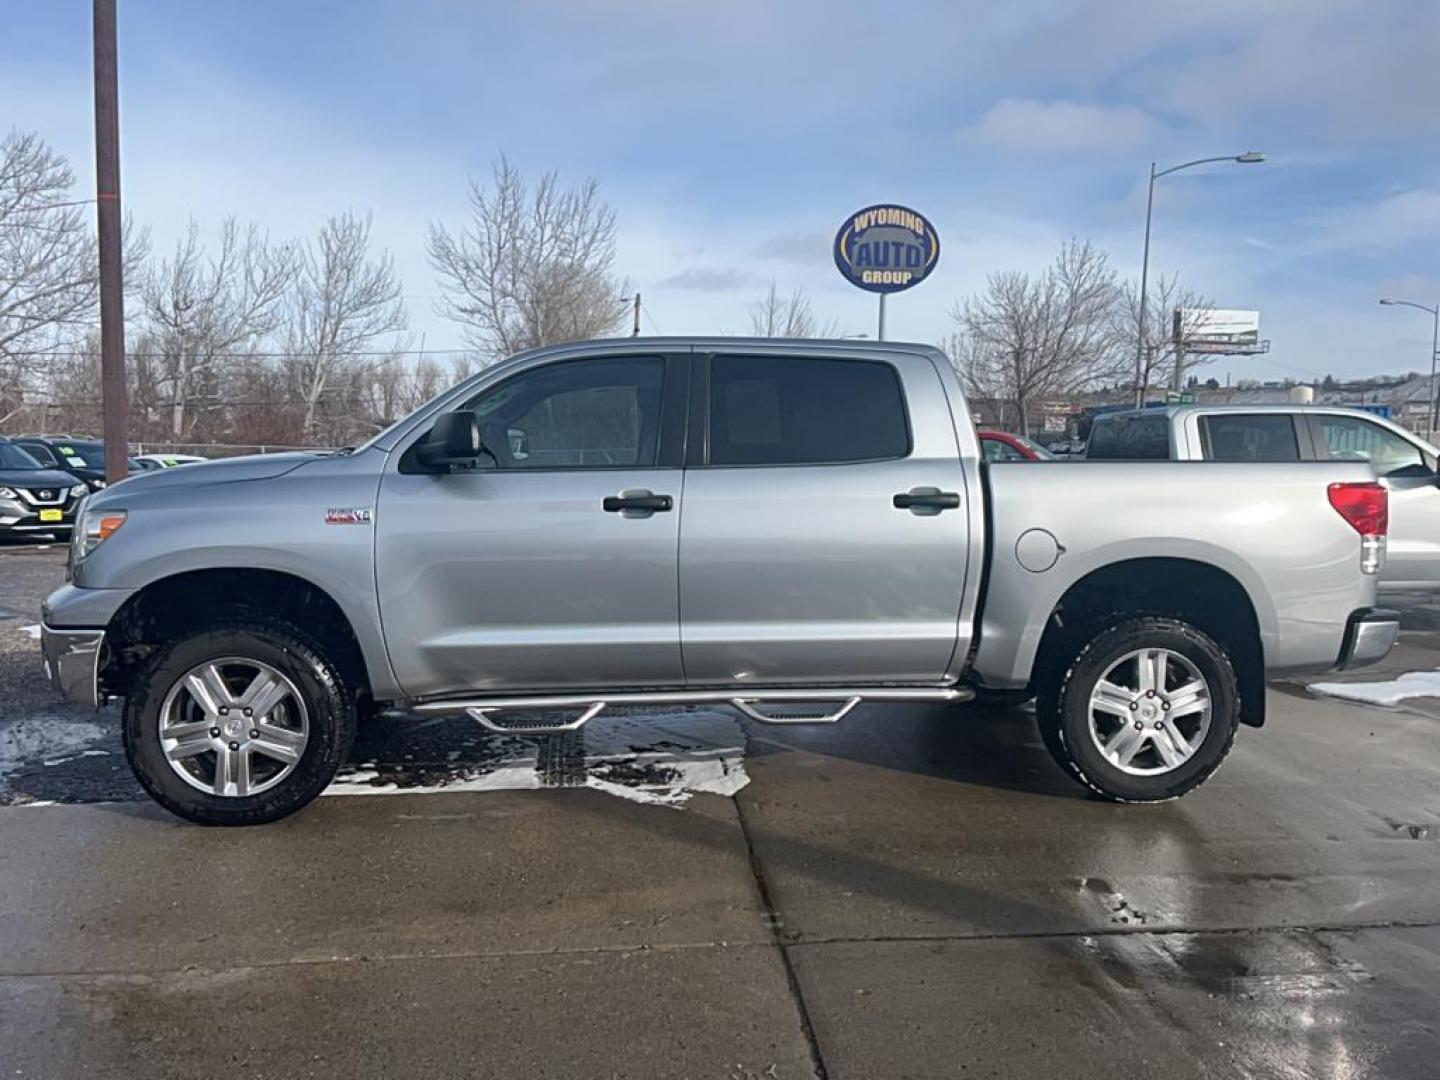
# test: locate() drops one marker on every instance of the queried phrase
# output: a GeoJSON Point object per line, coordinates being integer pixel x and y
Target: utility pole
{"type": "Point", "coordinates": [635, 332]}
{"type": "Point", "coordinates": [114, 397]}
{"type": "Point", "coordinates": [1177, 381]}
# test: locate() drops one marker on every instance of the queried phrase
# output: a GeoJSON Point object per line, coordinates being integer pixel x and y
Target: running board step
{"type": "Point", "coordinates": [773, 706]}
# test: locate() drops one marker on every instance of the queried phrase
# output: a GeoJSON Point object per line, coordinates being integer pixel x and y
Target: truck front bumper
{"type": "Point", "coordinates": [72, 661]}
{"type": "Point", "coordinates": [1369, 635]}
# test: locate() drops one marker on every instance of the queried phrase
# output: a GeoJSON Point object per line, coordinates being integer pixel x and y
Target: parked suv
{"type": "Point", "coordinates": [1403, 462]}
{"type": "Point", "coordinates": [82, 457]}
{"type": "Point", "coordinates": [34, 499]}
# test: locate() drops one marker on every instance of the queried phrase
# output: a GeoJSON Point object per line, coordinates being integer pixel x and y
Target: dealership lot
{"type": "Point", "coordinates": [916, 892]}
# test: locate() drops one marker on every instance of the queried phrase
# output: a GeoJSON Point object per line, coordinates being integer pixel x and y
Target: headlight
{"type": "Point", "coordinates": [93, 528]}
{"type": "Point", "coordinates": [9, 493]}
{"type": "Point", "coordinates": [78, 490]}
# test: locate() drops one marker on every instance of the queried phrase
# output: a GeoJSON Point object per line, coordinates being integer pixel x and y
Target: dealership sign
{"type": "Point", "coordinates": [886, 248]}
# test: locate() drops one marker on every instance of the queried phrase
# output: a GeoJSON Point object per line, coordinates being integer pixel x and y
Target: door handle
{"type": "Point", "coordinates": [927, 499]}
{"type": "Point", "coordinates": [644, 501]}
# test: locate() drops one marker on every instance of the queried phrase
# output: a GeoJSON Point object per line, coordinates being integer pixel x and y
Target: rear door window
{"type": "Point", "coordinates": [800, 410]}
{"type": "Point", "coordinates": [1133, 438]}
{"type": "Point", "coordinates": [1250, 437]}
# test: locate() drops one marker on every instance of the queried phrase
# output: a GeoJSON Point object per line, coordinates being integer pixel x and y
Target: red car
{"type": "Point", "coordinates": [1003, 446]}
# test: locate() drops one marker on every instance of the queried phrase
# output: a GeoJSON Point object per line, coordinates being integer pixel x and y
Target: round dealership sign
{"type": "Point", "coordinates": [886, 248]}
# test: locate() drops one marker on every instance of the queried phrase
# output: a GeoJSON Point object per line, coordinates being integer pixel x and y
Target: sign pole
{"type": "Point", "coordinates": [880, 336]}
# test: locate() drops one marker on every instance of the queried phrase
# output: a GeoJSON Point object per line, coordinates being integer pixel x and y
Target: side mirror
{"type": "Point", "coordinates": [454, 439]}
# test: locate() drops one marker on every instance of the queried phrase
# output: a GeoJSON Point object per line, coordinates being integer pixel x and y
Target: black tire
{"type": "Point", "coordinates": [289, 650]}
{"type": "Point", "coordinates": [1063, 709]}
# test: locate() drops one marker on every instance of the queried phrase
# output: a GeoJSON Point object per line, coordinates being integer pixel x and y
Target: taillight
{"type": "Point", "coordinates": [1365, 505]}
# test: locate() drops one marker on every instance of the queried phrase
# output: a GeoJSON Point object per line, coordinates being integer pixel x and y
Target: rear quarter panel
{"type": "Point", "coordinates": [1270, 527]}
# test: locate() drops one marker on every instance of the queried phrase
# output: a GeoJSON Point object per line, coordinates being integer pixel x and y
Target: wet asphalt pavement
{"type": "Point", "coordinates": [917, 892]}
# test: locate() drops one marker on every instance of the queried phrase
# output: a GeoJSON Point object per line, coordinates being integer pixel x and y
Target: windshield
{"type": "Point", "coordinates": [12, 457]}
{"type": "Point", "coordinates": [81, 455]}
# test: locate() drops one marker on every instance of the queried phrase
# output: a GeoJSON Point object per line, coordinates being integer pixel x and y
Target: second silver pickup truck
{"type": "Point", "coordinates": [789, 527]}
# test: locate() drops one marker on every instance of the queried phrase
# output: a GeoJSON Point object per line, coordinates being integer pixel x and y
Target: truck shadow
{"type": "Point", "coordinates": [969, 744]}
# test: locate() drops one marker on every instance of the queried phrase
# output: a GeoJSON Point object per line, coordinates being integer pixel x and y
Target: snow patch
{"type": "Point", "coordinates": [494, 776]}
{"type": "Point", "coordinates": [46, 738]}
{"type": "Point", "coordinates": [1390, 692]}
{"type": "Point", "coordinates": [657, 758]}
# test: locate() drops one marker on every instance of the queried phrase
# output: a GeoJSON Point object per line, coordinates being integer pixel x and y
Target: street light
{"type": "Point", "coordinates": [1434, 348]}
{"type": "Point", "coordinates": [1250, 157]}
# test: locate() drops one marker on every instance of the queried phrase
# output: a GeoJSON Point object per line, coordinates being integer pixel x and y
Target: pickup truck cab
{"type": "Point", "coordinates": [789, 527]}
{"type": "Point", "coordinates": [1403, 462]}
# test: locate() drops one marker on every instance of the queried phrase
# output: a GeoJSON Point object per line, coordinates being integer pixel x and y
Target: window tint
{"type": "Point", "coordinates": [804, 410]}
{"type": "Point", "coordinates": [1131, 438]}
{"type": "Point", "coordinates": [579, 414]}
{"type": "Point", "coordinates": [1249, 438]}
{"type": "Point", "coordinates": [1348, 438]}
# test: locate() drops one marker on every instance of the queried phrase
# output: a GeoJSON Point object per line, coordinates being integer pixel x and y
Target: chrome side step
{"type": "Point", "coordinates": [783, 705]}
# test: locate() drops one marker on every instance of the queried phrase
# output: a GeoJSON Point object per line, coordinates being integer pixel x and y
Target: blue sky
{"type": "Point", "coordinates": [733, 138]}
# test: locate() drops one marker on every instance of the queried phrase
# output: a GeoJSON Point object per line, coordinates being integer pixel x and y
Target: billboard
{"type": "Point", "coordinates": [1218, 330]}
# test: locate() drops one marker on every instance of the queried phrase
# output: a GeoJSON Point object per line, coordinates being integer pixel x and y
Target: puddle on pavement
{"type": "Point", "coordinates": [660, 757]}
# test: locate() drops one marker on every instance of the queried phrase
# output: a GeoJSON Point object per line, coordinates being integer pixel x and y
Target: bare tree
{"type": "Point", "coordinates": [342, 302]}
{"type": "Point", "coordinates": [1028, 337]}
{"type": "Point", "coordinates": [1164, 297]}
{"type": "Point", "coordinates": [49, 274]}
{"type": "Point", "coordinates": [787, 317]}
{"type": "Point", "coordinates": [48, 269]}
{"type": "Point", "coordinates": [533, 266]}
{"type": "Point", "coordinates": [202, 309]}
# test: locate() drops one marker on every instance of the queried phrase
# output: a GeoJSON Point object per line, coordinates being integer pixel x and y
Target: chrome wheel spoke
{"type": "Point", "coordinates": [1172, 747]}
{"type": "Point", "coordinates": [184, 732]}
{"type": "Point", "coordinates": [1112, 698]}
{"type": "Point", "coordinates": [207, 687]}
{"type": "Point", "coordinates": [189, 746]}
{"type": "Point", "coordinates": [265, 691]}
{"type": "Point", "coordinates": [1190, 698]}
{"type": "Point", "coordinates": [1125, 744]}
{"type": "Point", "coordinates": [1152, 665]}
{"type": "Point", "coordinates": [278, 743]}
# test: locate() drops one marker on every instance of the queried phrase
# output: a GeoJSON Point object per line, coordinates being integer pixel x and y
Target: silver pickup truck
{"type": "Point", "coordinates": [791, 528]}
{"type": "Point", "coordinates": [1405, 464]}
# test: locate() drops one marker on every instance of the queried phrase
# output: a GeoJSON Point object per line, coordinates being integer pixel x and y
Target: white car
{"type": "Point", "coordinates": [151, 462]}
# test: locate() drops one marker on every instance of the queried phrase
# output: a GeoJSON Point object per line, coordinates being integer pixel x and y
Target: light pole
{"type": "Point", "coordinates": [1250, 157]}
{"type": "Point", "coordinates": [1434, 348]}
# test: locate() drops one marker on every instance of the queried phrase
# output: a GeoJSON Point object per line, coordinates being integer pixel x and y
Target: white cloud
{"type": "Point", "coordinates": [1394, 221]}
{"type": "Point", "coordinates": [1028, 124]}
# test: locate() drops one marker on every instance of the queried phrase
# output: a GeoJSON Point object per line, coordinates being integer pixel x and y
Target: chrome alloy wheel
{"type": "Point", "coordinates": [1150, 712]}
{"type": "Point", "coordinates": [233, 727]}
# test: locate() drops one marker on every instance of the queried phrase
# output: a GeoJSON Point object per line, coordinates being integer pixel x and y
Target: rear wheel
{"type": "Point", "coordinates": [239, 723]}
{"type": "Point", "coordinates": [1146, 711]}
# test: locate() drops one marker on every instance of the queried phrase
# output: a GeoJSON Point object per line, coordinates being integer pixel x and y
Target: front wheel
{"type": "Point", "coordinates": [240, 723]}
{"type": "Point", "coordinates": [1146, 711]}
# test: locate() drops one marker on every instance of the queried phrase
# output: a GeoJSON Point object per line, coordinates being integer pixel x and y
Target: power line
{"type": "Point", "coordinates": [147, 355]}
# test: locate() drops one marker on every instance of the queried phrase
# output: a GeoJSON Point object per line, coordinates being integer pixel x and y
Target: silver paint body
{"type": "Point", "coordinates": [1412, 562]}
{"type": "Point", "coordinates": [517, 582]}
